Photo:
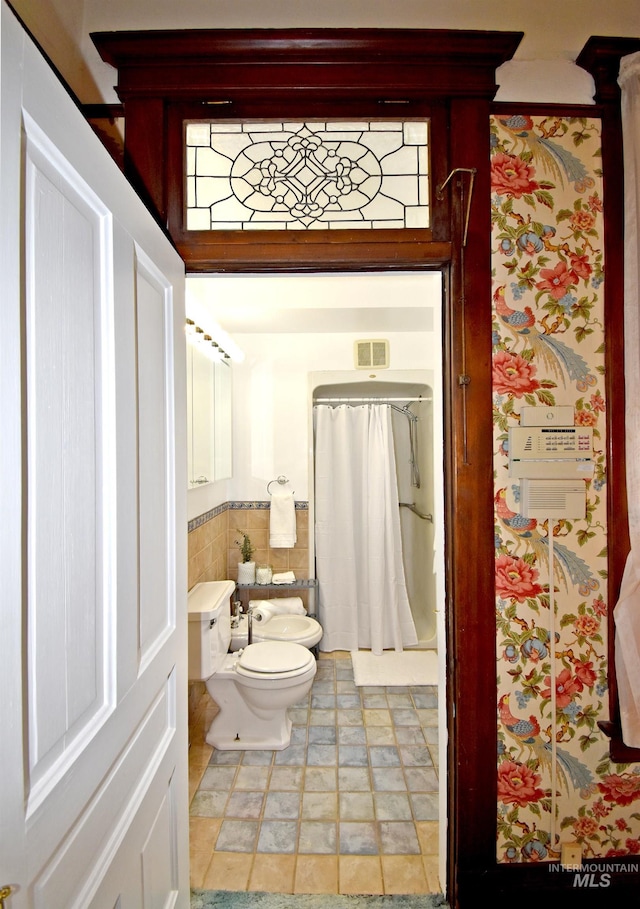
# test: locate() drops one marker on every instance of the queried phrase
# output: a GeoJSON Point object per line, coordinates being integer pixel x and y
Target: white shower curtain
{"type": "Point", "coordinates": [363, 595]}
{"type": "Point", "coordinates": [627, 611]}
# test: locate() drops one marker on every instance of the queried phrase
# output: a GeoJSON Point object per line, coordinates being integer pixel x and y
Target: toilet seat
{"type": "Point", "coordinates": [273, 659]}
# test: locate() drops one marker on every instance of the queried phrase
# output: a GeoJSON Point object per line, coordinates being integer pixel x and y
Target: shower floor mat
{"type": "Point", "coordinates": [395, 668]}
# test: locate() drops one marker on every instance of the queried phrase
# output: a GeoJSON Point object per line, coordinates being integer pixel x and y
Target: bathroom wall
{"type": "Point", "coordinates": [551, 608]}
{"type": "Point", "coordinates": [271, 425]}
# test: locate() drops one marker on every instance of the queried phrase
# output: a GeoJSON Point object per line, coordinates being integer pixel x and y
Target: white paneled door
{"type": "Point", "coordinates": [93, 729]}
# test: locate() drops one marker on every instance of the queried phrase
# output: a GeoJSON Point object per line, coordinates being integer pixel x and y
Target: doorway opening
{"type": "Point", "coordinates": [297, 332]}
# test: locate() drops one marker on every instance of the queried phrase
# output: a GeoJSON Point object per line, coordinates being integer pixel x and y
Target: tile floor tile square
{"type": "Point", "coordinates": [384, 756]}
{"type": "Point", "coordinates": [356, 806]}
{"type": "Point", "coordinates": [320, 806]}
{"type": "Point", "coordinates": [226, 757]}
{"type": "Point", "coordinates": [358, 838]}
{"type": "Point", "coordinates": [218, 778]}
{"type": "Point", "coordinates": [257, 758]}
{"type": "Point", "coordinates": [373, 701]}
{"type": "Point", "coordinates": [351, 735]}
{"type": "Point", "coordinates": [299, 735]}
{"type": "Point", "coordinates": [346, 686]}
{"type": "Point", "coordinates": [316, 874]}
{"type": "Point", "coordinates": [272, 873]}
{"type": "Point", "coordinates": [323, 686]}
{"type": "Point", "coordinates": [317, 837]}
{"type": "Point", "coordinates": [410, 735]}
{"type": "Point", "coordinates": [294, 755]}
{"type": "Point", "coordinates": [354, 779]}
{"type": "Point", "coordinates": [349, 716]}
{"type": "Point", "coordinates": [421, 779]}
{"type": "Point", "coordinates": [323, 702]}
{"type": "Point", "coordinates": [415, 756]}
{"type": "Point", "coordinates": [388, 779]}
{"type": "Point", "coordinates": [375, 717]}
{"type": "Point", "coordinates": [380, 735]}
{"type": "Point", "coordinates": [322, 735]}
{"type": "Point", "coordinates": [252, 778]}
{"type": "Point", "coordinates": [320, 717]}
{"type": "Point", "coordinates": [399, 838]}
{"type": "Point", "coordinates": [392, 806]}
{"type": "Point", "coordinates": [208, 803]}
{"type": "Point", "coordinates": [278, 836]}
{"type": "Point", "coordinates": [425, 806]}
{"type": "Point", "coordinates": [245, 804]}
{"type": "Point", "coordinates": [353, 756]}
{"type": "Point", "coordinates": [360, 874]}
{"type": "Point", "coordinates": [322, 755]}
{"type": "Point", "coordinates": [282, 805]}
{"type": "Point", "coordinates": [286, 778]}
{"type": "Point", "coordinates": [237, 836]}
{"type": "Point", "coordinates": [405, 716]}
{"type": "Point", "coordinates": [320, 779]}
{"type": "Point", "coordinates": [428, 717]}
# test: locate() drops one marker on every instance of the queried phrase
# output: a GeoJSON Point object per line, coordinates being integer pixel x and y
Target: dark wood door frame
{"type": "Point", "coordinates": [164, 78]}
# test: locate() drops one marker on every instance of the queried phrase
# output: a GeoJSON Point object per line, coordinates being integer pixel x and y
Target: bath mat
{"type": "Point", "coordinates": [393, 668]}
{"type": "Point", "coordinates": [224, 899]}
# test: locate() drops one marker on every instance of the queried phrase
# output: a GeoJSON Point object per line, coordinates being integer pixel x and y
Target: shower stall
{"type": "Point", "coordinates": [409, 397]}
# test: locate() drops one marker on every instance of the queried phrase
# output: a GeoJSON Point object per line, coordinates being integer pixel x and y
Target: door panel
{"type": "Point", "coordinates": [68, 513]}
{"type": "Point", "coordinates": [93, 751]}
{"type": "Point", "coordinates": [155, 429]}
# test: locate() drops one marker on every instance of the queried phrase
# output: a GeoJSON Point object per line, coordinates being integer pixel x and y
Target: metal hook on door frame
{"type": "Point", "coordinates": [463, 379]}
{"type": "Point", "coordinates": [440, 194]}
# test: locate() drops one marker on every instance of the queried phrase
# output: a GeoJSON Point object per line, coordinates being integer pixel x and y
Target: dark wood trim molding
{"type": "Point", "coordinates": [601, 58]}
{"type": "Point", "coordinates": [229, 64]}
{"type": "Point", "coordinates": [167, 77]}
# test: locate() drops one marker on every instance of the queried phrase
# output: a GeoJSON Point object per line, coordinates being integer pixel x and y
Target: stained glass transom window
{"type": "Point", "coordinates": [300, 176]}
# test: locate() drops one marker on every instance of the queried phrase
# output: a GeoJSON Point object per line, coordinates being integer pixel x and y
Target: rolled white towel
{"type": "Point", "coordinates": [261, 610]}
{"type": "Point", "coordinates": [283, 577]}
{"type": "Point", "coordinates": [287, 606]}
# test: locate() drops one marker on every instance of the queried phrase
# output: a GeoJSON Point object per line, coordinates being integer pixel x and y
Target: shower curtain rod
{"type": "Point", "coordinates": [367, 399]}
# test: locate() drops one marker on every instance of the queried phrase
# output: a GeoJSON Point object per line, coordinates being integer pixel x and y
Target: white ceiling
{"type": "Point", "coordinates": [372, 303]}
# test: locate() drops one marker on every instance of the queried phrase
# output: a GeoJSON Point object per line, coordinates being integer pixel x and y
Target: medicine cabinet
{"type": "Point", "coordinates": [209, 389]}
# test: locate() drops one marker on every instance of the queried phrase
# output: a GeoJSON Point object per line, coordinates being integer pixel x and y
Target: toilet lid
{"type": "Point", "coordinates": [274, 656]}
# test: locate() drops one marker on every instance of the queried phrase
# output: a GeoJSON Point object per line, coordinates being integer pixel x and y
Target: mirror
{"type": "Point", "coordinates": [208, 414]}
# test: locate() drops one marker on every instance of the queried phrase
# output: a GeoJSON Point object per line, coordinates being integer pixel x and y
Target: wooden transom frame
{"type": "Point", "coordinates": [166, 79]}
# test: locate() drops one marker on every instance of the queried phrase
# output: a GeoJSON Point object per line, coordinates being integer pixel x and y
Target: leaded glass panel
{"type": "Point", "coordinates": [306, 175]}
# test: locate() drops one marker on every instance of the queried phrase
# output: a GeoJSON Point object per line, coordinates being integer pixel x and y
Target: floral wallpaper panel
{"type": "Point", "coordinates": [555, 781]}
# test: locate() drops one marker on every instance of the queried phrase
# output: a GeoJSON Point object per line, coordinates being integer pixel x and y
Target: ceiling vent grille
{"type": "Point", "coordinates": [371, 354]}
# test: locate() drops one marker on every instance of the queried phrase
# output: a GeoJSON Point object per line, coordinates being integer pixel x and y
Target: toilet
{"type": "Point", "coordinates": [297, 629]}
{"type": "Point", "coordinates": [253, 687]}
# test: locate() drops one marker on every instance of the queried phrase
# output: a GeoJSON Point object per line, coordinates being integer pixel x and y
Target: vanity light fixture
{"type": "Point", "coordinates": [209, 346]}
{"type": "Point", "coordinates": [205, 342]}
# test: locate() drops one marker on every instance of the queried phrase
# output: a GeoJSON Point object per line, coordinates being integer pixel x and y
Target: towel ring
{"type": "Point", "coordinates": [282, 480]}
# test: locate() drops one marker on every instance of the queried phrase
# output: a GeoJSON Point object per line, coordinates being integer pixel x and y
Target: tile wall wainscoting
{"type": "Point", "coordinates": [212, 551]}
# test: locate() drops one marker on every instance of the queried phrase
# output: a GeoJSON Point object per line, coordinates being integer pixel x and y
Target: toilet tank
{"type": "Point", "coordinates": [209, 627]}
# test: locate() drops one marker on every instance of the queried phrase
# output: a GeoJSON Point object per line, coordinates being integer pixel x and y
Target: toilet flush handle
{"type": "Point", "coordinates": [5, 893]}
{"type": "Point", "coordinates": [211, 624]}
